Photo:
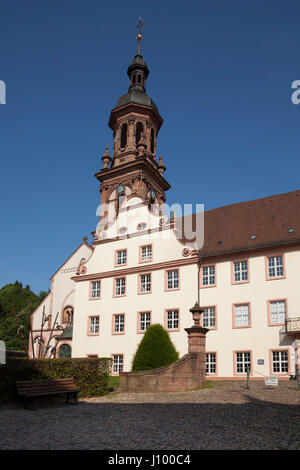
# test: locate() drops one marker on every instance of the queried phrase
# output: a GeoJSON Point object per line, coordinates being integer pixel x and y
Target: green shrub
{"type": "Point", "coordinates": [91, 375]}
{"type": "Point", "coordinates": [155, 350]}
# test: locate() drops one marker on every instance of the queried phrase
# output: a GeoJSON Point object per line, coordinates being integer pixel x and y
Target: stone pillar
{"type": "Point", "coordinates": [197, 347]}
{"type": "Point", "coordinates": [196, 339]}
{"type": "Point", "coordinates": [196, 334]}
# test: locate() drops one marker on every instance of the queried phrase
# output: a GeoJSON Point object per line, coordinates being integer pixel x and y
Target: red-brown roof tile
{"type": "Point", "coordinates": [229, 228]}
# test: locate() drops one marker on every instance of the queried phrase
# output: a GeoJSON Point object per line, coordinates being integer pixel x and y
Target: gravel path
{"type": "Point", "coordinates": [229, 416]}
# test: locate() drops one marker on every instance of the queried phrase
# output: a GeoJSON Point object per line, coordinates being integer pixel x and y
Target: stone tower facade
{"type": "Point", "coordinates": [133, 170]}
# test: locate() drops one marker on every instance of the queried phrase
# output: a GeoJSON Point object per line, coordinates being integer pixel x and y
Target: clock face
{"type": "Point", "coordinates": [120, 189]}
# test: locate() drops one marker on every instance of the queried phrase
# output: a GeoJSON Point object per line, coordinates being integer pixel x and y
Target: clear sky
{"type": "Point", "coordinates": [220, 74]}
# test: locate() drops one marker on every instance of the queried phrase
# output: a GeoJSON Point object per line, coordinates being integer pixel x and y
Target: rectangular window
{"type": "Point", "coordinates": [275, 266]}
{"type": "Point", "coordinates": [240, 271]}
{"type": "Point", "coordinates": [241, 315]}
{"type": "Point", "coordinates": [94, 325]}
{"type": "Point", "coordinates": [96, 289]}
{"type": "Point", "coordinates": [121, 257]}
{"type": "Point", "coordinates": [145, 320]}
{"type": "Point", "coordinates": [119, 322]}
{"type": "Point", "coordinates": [120, 286]}
{"type": "Point", "coordinates": [209, 317]}
{"type": "Point", "coordinates": [172, 279]}
{"type": "Point", "coordinates": [208, 276]}
{"type": "Point", "coordinates": [145, 283]}
{"type": "Point", "coordinates": [243, 362]}
{"type": "Point", "coordinates": [117, 363]}
{"type": "Point", "coordinates": [146, 253]}
{"type": "Point", "coordinates": [211, 363]}
{"type": "Point", "coordinates": [280, 362]}
{"type": "Point", "coordinates": [277, 311]}
{"type": "Point", "coordinates": [172, 319]}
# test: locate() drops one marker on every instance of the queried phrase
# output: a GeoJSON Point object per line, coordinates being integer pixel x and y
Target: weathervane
{"type": "Point", "coordinates": [139, 25]}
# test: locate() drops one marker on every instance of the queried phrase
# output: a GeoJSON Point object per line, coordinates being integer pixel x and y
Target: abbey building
{"type": "Point", "coordinates": [143, 268]}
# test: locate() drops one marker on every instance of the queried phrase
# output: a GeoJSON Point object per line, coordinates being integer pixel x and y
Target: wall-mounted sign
{"type": "Point", "coordinates": [260, 362]}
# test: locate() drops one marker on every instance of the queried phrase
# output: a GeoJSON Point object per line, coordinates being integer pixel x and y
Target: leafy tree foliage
{"type": "Point", "coordinates": [15, 299]}
{"type": "Point", "coordinates": [155, 350]}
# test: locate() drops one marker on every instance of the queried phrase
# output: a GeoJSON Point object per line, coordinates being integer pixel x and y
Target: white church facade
{"type": "Point", "coordinates": [142, 267]}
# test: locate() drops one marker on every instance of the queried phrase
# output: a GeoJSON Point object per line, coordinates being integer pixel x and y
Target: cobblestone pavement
{"type": "Point", "coordinates": [228, 416]}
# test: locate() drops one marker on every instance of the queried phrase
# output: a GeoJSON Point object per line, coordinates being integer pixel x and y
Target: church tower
{"type": "Point", "coordinates": [133, 170]}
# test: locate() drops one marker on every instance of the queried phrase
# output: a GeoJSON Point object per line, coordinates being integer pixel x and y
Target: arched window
{"type": "Point", "coordinates": [68, 314]}
{"type": "Point", "coordinates": [64, 351]}
{"type": "Point", "coordinates": [138, 132]}
{"type": "Point", "coordinates": [139, 78]}
{"type": "Point", "coordinates": [133, 80]}
{"type": "Point", "coordinates": [124, 136]}
{"type": "Point", "coordinates": [152, 140]}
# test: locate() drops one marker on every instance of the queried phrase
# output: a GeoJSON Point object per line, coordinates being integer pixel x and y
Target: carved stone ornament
{"type": "Point", "coordinates": [186, 252]}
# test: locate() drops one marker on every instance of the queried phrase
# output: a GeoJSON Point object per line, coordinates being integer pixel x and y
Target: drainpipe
{"type": "Point", "coordinates": [200, 259]}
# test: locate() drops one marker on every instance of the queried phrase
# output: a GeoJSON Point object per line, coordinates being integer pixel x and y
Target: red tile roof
{"type": "Point", "coordinates": [229, 229]}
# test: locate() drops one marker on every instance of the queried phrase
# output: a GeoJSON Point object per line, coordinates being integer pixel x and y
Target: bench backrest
{"type": "Point", "coordinates": [45, 385]}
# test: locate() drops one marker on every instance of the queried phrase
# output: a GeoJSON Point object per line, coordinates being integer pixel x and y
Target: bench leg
{"type": "Point", "coordinates": [33, 404]}
{"type": "Point", "coordinates": [67, 398]}
{"type": "Point", "coordinates": [75, 396]}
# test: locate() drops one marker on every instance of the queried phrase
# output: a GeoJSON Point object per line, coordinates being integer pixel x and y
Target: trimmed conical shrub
{"type": "Point", "coordinates": [155, 350]}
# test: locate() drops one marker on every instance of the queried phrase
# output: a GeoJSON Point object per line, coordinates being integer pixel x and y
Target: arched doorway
{"type": "Point", "coordinates": [64, 351]}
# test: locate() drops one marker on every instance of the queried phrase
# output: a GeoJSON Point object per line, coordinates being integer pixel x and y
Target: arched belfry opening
{"type": "Point", "coordinates": [124, 135]}
{"type": "Point", "coordinates": [138, 132]}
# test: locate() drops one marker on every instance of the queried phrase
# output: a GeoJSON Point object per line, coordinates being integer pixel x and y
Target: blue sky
{"type": "Point", "coordinates": [220, 73]}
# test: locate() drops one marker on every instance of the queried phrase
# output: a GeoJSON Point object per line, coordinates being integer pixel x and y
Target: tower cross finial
{"type": "Point", "coordinates": [139, 27]}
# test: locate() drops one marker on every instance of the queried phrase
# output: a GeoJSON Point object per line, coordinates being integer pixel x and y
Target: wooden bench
{"type": "Point", "coordinates": [32, 389]}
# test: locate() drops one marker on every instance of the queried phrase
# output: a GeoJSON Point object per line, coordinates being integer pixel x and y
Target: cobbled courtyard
{"type": "Point", "coordinates": [228, 416]}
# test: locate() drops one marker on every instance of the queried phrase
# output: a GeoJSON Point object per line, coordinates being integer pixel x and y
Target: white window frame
{"type": "Point", "coordinates": [208, 275]}
{"type": "Point", "coordinates": [146, 253]}
{"type": "Point", "coordinates": [120, 286]}
{"type": "Point", "coordinates": [281, 360]}
{"type": "Point", "coordinates": [94, 325]}
{"type": "Point", "coordinates": [211, 363]}
{"type": "Point", "coordinates": [240, 271]}
{"type": "Point", "coordinates": [145, 283]}
{"type": "Point", "coordinates": [275, 266]}
{"type": "Point", "coordinates": [144, 320]}
{"type": "Point", "coordinates": [242, 315]}
{"type": "Point", "coordinates": [243, 359]}
{"type": "Point", "coordinates": [121, 257]}
{"type": "Point", "coordinates": [118, 363]}
{"type": "Point", "coordinates": [173, 279]}
{"type": "Point", "coordinates": [119, 324]}
{"type": "Point", "coordinates": [96, 290]}
{"type": "Point", "coordinates": [172, 319]}
{"type": "Point", "coordinates": [279, 313]}
{"type": "Point", "coordinates": [209, 317]}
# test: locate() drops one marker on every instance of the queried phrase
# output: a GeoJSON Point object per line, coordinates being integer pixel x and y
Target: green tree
{"type": "Point", "coordinates": [15, 299]}
{"type": "Point", "coordinates": [155, 350]}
